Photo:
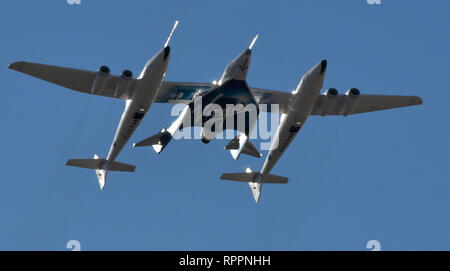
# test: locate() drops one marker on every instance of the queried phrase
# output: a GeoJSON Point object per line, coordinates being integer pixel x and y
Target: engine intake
{"type": "Point", "coordinates": [100, 79]}
{"type": "Point", "coordinates": [104, 69]}
{"type": "Point", "coordinates": [352, 100]}
{"type": "Point", "coordinates": [331, 92]}
{"type": "Point", "coordinates": [328, 102]}
{"type": "Point", "coordinates": [127, 74]}
{"type": "Point", "coordinates": [353, 92]}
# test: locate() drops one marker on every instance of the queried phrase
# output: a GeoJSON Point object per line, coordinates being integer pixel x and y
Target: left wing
{"type": "Point", "coordinates": [79, 80]}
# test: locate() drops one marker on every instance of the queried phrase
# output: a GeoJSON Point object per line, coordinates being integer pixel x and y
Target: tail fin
{"type": "Point", "coordinates": [254, 180]}
{"type": "Point", "coordinates": [241, 144]}
{"type": "Point", "coordinates": [101, 167]}
{"type": "Point", "coordinates": [158, 141]}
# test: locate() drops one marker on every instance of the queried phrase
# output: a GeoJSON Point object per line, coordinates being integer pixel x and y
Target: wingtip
{"type": "Point", "coordinates": [15, 65]}
{"type": "Point", "coordinates": [418, 101]}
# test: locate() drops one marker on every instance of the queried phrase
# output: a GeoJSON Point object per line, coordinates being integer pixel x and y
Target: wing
{"type": "Point", "coordinates": [183, 92]}
{"type": "Point", "coordinates": [271, 97]}
{"type": "Point", "coordinates": [79, 80]}
{"type": "Point", "coordinates": [365, 103]}
{"type": "Point", "coordinates": [180, 92]}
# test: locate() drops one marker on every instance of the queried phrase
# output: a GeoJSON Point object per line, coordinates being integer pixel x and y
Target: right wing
{"type": "Point", "coordinates": [366, 103]}
{"type": "Point", "coordinates": [79, 80]}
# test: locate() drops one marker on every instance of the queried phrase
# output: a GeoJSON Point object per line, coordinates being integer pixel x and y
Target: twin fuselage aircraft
{"type": "Point", "coordinates": [140, 93]}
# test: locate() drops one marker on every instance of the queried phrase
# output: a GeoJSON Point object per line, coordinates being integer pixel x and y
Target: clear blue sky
{"type": "Point", "coordinates": [381, 175]}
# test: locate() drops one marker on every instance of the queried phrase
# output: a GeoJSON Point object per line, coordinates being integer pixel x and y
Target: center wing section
{"type": "Point", "coordinates": [342, 104]}
{"type": "Point", "coordinates": [232, 92]}
{"type": "Point", "coordinates": [80, 80]}
{"type": "Point", "coordinates": [183, 92]}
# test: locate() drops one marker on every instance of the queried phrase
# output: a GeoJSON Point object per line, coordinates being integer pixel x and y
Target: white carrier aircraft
{"type": "Point", "coordinates": [138, 94]}
{"type": "Point", "coordinates": [231, 89]}
{"type": "Point", "coordinates": [306, 100]}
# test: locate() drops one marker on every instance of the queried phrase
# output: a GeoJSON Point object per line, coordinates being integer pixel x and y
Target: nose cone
{"type": "Point", "coordinates": [166, 52]}
{"type": "Point", "coordinates": [323, 66]}
{"type": "Point", "coordinates": [243, 58]}
{"type": "Point", "coordinates": [157, 65]}
{"type": "Point", "coordinates": [238, 68]}
{"type": "Point", "coordinates": [319, 69]}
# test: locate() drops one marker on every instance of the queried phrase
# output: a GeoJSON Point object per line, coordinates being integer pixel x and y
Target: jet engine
{"type": "Point", "coordinates": [127, 74]}
{"type": "Point", "coordinates": [123, 84]}
{"type": "Point", "coordinates": [352, 100]}
{"type": "Point", "coordinates": [100, 79]}
{"type": "Point", "coordinates": [328, 101]}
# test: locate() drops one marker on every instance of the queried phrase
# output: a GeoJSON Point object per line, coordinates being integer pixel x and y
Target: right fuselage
{"type": "Point", "coordinates": [300, 107]}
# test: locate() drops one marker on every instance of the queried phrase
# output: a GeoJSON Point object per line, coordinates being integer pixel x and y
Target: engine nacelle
{"type": "Point", "coordinates": [351, 101]}
{"type": "Point", "coordinates": [127, 74]}
{"type": "Point", "coordinates": [329, 101]}
{"type": "Point", "coordinates": [123, 85]}
{"type": "Point", "coordinates": [100, 79]}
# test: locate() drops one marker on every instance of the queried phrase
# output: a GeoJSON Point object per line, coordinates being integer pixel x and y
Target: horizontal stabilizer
{"type": "Point", "coordinates": [241, 144]}
{"type": "Point", "coordinates": [101, 167]}
{"type": "Point", "coordinates": [155, 139]}
{"type": "Point", "coordinates": [100, 164]}
{"type": "Point", "coordinates": [254, 180]}
{"type": "Point", "coordinates": [248, 177]}
{"type": "Point", "coordinates": [158, 141]}
{"type": "Point", "coordinates": [251, 150]}
{"type": "Point", "coordinates": [275, 179]}
{"type": "Point", "coordinates": [86, 163]}
{"type": "Point", "coordinates": [118, 166]}
{"type": "Point", "coordinates": [239, 177]}
{"type": "Point", "coordinates": [233, 144]}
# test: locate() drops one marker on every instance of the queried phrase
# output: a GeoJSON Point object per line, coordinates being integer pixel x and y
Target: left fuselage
{"type": "Point", "coordinates": [146, 90]}
{"type": "Point", "coordinates": [300, 107]}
